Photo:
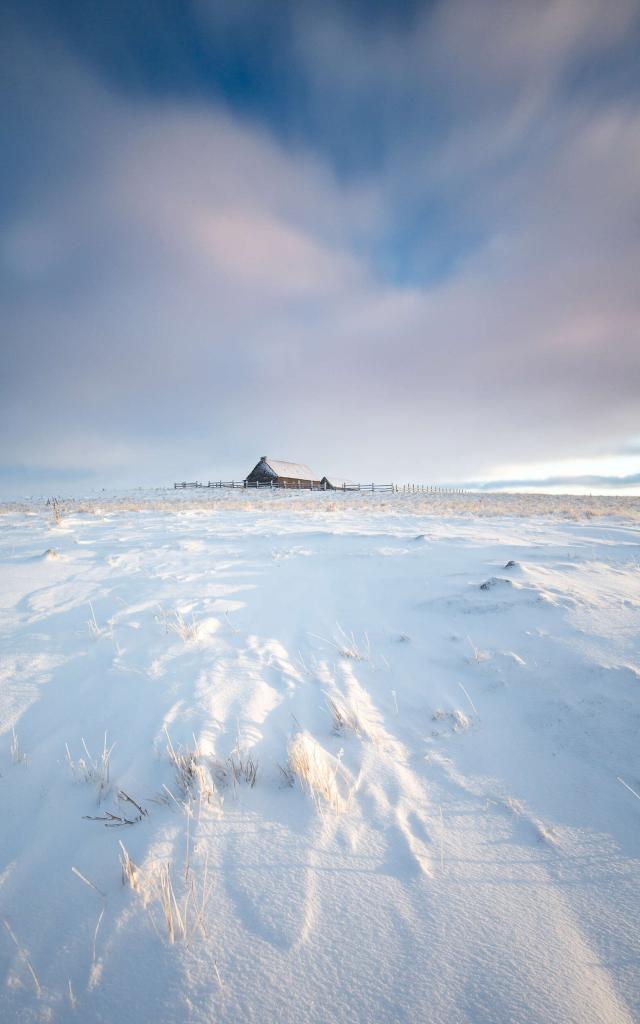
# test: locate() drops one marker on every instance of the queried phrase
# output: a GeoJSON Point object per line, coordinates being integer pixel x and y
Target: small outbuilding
{"type": "Point", "coordinates": [334, 483]}
{"type": "Point", "coordinates": [278, 473]}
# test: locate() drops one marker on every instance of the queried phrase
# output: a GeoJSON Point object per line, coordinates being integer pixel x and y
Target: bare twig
{"type": "Point", "coordinates": [125, 796]}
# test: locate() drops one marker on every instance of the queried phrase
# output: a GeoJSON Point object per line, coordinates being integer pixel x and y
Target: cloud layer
{"type": "Point", "coordinates": [422, 263]}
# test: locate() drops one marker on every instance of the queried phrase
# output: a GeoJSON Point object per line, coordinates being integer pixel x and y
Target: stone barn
{"type": "Point", "coordinates": [278, 473]}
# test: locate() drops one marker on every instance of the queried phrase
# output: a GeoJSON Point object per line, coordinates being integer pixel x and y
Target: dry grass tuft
{"type": "Point", "coordinates": [347, 645]}
{"type": "Point", "coordinates": [343, 717]}
{"type": "Point", "coordinates": [193, 776]}
{"type": "Point", "coordinates": [176, 622]}
{"type": "Point", "coordinates": [477, 655]}
{"type": "Point", "coordinates": [56, 510]}
{"type": "Point", "coordinates": [288, 776]}
{"type": "Point", "coordinates": [92, 770]}
{"type": "Point", "coordinates": [172, 916]}
{"type": "Point", "coordinates": [129, 869]}
{"type": "Point", "coordinates": [92, 625]}
{"type": "Point", "coordinates": [324, 777]}
{"type": "Point", "coordinates": [183, 912]}
{"type": "Point", "coordinates": [242, 767]}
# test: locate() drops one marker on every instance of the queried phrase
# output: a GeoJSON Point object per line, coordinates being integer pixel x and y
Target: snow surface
{"type": "Point", "coordinates": [441, 695]}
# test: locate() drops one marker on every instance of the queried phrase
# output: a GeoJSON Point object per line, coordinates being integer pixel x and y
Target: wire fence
{"type": "Point", "coordinates": [308, 485]}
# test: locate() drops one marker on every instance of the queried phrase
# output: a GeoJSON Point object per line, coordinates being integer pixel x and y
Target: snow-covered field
{"type": "Point", "coordinates": [367, 759]}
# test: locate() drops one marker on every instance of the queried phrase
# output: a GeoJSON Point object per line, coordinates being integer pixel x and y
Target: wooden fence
{"type": "Point", "coordinates": [372, 488]}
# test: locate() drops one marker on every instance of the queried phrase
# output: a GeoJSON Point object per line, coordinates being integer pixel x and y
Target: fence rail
{"type": "Point", "coordinates": [304, 485]}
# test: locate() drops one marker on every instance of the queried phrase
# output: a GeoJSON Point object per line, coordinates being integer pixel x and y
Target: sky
{"type": "Point", "coordinates": [393, 240]}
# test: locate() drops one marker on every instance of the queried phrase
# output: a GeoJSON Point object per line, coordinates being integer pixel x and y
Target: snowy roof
{"type": "Point", "coordinates": [292, 470]}
{"type": "Point", "coordinates": [338, 481]}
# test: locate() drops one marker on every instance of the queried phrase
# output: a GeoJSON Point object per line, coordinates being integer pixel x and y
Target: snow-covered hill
{"type": "Point", "coordinates": [320, 758]}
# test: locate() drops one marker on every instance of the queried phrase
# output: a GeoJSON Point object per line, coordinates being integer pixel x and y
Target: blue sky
{"type": "Point", "coordinates": [392, 240]}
